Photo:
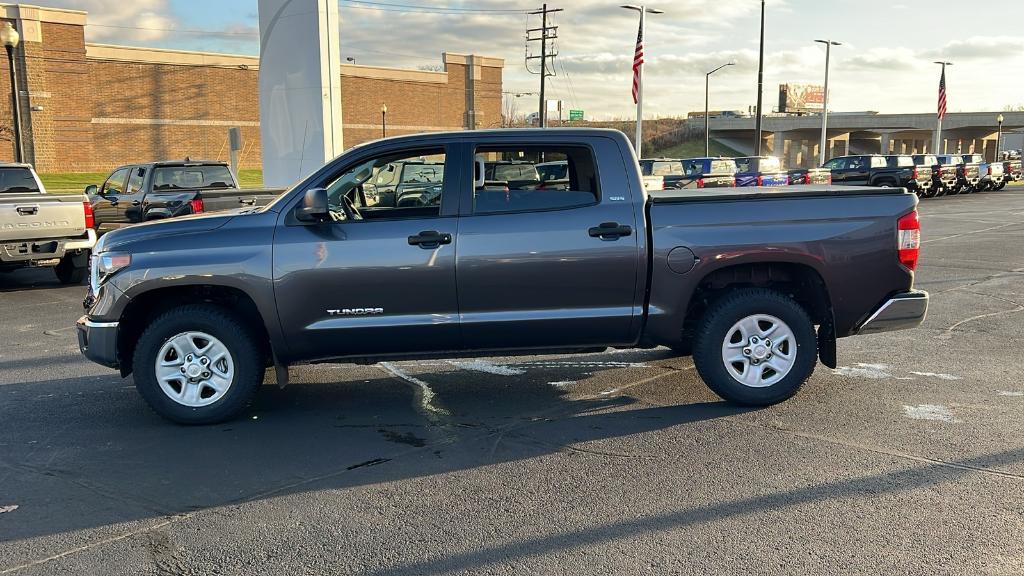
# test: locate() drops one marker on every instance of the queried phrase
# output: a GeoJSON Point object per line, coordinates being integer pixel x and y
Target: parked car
{"type": "Point", "coordinates": [798, 176]}
{"type": "Point", "coordinates": [760, 171]}
{"type": "Point", "coordinates": [43, 230]}
{"type": "Point", "coordinates": [554, 175]}
{"type": "Point", "coordinates": [990, 173]}
{"type": "Point", "coordinates": [197, 308]}
{"type": "Point", "coordinates": [156, 190]}
{"type": "Point", "coordinates": [878, 170]}
{"type": "Point", "coordinates": [691, 172]}
{"type": "Point", "coordinates": [1011, 172]}
{"type": "Point", "coordinates": [944, 176]}
{"type": "Point", "coordinates": [408, 183]}
{"type": "Point", "coordinates": [517, 175]}
{"type": "Point", "coordinates": [968, 175]}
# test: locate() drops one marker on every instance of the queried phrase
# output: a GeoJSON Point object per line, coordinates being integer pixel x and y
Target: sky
{"type": "Point", "coordinates": [885, 62]}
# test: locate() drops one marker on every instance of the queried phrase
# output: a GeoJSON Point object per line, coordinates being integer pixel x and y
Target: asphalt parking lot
{"type": "Point", "coordinates": [907, 459]}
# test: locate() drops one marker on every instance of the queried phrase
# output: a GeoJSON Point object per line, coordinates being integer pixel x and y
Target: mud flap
{"type": "Point", "coordinates": [827, 345]}
{"type": "Point", "coordinates": [280, 373]}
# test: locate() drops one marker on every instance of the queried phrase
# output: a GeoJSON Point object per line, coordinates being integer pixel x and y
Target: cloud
{"type": "Point", "coordinates": [121, 20]}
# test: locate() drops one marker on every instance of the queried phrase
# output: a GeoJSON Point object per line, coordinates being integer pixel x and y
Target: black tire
{"type": "Point", "coordinates": [1001, 185]}
{"type": "Point", "coordinates": [219, 323]}
{"type": "Point", "coordinates": [72, 269]}
{"type": "Point", "coordinates": [718, 321]}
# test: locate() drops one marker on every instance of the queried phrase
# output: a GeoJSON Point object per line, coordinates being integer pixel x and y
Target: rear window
{"type": "Point", "coordinates": [669, 168]}
{"type": "Point", "coordinates": [191, 177]}
{"type": "Point", "coordinates": [723, 167]}
{"type": "Point", "coordinates": [511, 182]}
{"type": "Point", "coordinates": [770, 164]}
{"type": "Point", "coordinates": [925, 160]}
{"type": "Point", "coordinates": [553, 171]}
{"type": "Point", "coordinates": [878, 162]}
{"type": "Point", "coordinates": [955, 160]}
{"type": "Point", "coordinates": [17, 180]}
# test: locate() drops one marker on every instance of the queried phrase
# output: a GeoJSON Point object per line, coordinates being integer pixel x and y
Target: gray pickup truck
{"type": "Point", "coordinates": [756, 283]}
{"type": "Point", "coordinates": [43, 230]}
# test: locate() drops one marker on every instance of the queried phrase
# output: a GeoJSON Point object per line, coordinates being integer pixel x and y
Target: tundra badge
{"type": "Point", "coordinates": [355, 311]}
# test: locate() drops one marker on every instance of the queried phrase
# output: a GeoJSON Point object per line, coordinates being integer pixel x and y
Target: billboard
{"type": "Point", "coordinates": [801, 98]}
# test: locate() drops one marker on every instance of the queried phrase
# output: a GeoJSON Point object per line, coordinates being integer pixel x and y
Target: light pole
{"type": "Point", "coordinates": [999, 138]}
{"type": "Point", "coordinates": [824, 110]}
{"type": "Point", "coordinates": [707, 129]}
{"type": "Point", "coordinates": [760, 87]}
{"type": "Point", "coordinates": [383, 120]}
{"type": "Point", "coordinates": [638, 72]}
{"type": "Point", "coordinates": [10, 38]}
{"type": "Point", "coordinates": [942, 107]}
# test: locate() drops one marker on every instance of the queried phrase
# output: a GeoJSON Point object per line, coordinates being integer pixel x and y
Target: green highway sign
{"type": "Point", "coordinates": [575, 114]}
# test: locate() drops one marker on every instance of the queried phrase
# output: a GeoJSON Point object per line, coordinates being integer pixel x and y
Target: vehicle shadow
{"type": "Point", "coordinates": [89, 445]}
{"type": "Point", "coordinates": [22, 279]}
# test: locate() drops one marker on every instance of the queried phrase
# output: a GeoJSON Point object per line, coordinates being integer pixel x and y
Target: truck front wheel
{"type": "Point", "coordinates": [197, 364]}
{"type": "Point", "coordinates": [72, 268]}
{"type": "Point", "coordinates": [756, 347]}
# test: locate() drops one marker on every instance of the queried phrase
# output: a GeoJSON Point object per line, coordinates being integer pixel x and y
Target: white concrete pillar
{"type": "Point", "coordinates": [886, 144]}
{"type": "Point", "coordinates": [300, 88]}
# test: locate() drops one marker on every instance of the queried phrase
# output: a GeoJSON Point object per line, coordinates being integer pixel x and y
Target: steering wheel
{"type": "Point", "coordinates": [349, 209]}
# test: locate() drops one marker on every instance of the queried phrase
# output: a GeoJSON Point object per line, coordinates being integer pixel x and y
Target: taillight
{"type": "Point", "coordinates": [700, 182]}
{"type": "Point", "coordinates": [829, 181]}
{"type": "Point", "coordinates": [760, 180]}
{"type": "Point", "coordinates": [913, 174]}
{"type": "Point", "coordinates": [197, 205]}
{"type": "Point", "coordinates": [90, 218]}
{"type": "Point", "coordinates": [909, 239]}
{"type": "Point", "coordinates": [989, 169]}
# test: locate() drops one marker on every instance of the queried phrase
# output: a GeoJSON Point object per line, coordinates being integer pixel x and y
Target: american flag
{"type": "Point", "coordinates": [638, 61]}
{"type": "Point", "coordinates": [942, 94]}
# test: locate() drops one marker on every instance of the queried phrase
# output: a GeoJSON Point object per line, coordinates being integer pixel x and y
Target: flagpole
{"type": "Point", "coordinates": [938, 116]}
{"type": "Point", "coordinates": [640, 93]}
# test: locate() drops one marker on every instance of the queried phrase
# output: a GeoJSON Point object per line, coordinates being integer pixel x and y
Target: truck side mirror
{"type": "Point", "coordinates": [314, 206]}
{"type": "Point", "coordinates": [91, 190]}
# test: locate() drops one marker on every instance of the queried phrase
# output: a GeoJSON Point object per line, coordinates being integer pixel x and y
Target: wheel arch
{"type": "Point", "coordinates": [145, 306]}
{"type": "Point", "coordinates": [799, 280]}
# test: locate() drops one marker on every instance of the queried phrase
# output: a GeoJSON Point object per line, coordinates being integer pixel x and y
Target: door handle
{"type": "Point", "coordinates": [610, 231]}
{"type": "Point", "coordinates": [136, 203]}
{"type": "Point", "coordinates": [430, 239]}
{"type": "Point", "coordinates": [27, 210]}
{"type": "Point", "coordinates": [113, 201]}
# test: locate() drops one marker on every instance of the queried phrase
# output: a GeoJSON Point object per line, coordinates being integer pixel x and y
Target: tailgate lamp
{"type": "Point", "coordinates": [90, 218]}
{"type": "Point", "coordinates": [700, 182]}
{"type": "Point", "coordinates": [760, 180]}
{"type": "Point", "coordinates": [909, 240]}
{"type": "Point", "coordinates": [197, 205]}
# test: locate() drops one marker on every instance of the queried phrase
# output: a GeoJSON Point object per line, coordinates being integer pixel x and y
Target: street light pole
{"type": "Point", "coordinates": [383, 120]}
{"type": "Point", "coordinates": [938, 124]}
{"type": "Point", "coordinates": [707, 129]}
{"type": "Point", "coordinates": [760, 87]}
{"type": "Point", "coordinates": [824, 110]}
{"type": "Point", "coordinates": [10, 38]}
{"type": "Point", "coordinates": [999, 137]}
{"type": "Point", "coordinates": [643, 10]}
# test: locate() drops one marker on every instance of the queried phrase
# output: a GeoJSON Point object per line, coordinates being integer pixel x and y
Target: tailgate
{"type": "Point", "coordinates": [36, 216]}
{"type": "Point", "coordinates": [972, 171]}
{"type": "Point", "coordinates": [235, 199]}
{"type": "Point", "coordinates": [719, 181]}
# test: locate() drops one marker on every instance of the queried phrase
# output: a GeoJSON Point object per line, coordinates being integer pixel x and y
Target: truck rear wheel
{"type": "Point", "coordinates": [756, 347]}
{"type": "Point", "coordinates": [197, 364]}
{"type": "Point", "coordinates": [72, 268]}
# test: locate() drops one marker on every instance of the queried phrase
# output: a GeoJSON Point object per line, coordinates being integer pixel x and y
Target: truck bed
{"type": "Point", "coordinates": [766, 193]}
{"type": "Point", "coordinates": [38, 216]}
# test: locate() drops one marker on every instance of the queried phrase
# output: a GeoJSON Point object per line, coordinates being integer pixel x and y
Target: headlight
{"type": "Point", "coordinates": [110, 262]}
{"type": "Point", "coordinates": [105, 264]}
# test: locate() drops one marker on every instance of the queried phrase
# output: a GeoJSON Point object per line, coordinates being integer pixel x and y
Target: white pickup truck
{"type": "Point", "coordinates": [43, 230]}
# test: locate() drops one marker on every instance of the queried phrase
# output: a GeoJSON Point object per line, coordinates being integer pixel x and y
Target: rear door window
{"type": "Point", "coordinates": [135, 179]}
{"type": "Point", "coordinates": [511, 181]}
{"type": "Point", "coordinates": [187, 177]}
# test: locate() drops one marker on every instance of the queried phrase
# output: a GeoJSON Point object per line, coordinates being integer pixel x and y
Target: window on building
{"type": "Point", "coordinates": [508, 179]}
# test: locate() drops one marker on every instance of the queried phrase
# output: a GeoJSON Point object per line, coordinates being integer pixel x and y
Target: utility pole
{"type": "Point", "coordinates": [760, 88]}
{"type": "Point", "coordinates": [546, 33]}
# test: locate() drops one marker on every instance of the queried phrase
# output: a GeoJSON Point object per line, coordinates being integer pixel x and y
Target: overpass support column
{"type": "Point", "coordinates": [886, 145]}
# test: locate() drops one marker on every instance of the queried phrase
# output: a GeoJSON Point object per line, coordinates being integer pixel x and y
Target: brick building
{"type": "Point", "coordinates": [88, 107]}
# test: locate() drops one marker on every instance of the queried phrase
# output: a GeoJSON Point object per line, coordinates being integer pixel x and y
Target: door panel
{"type": "Point", "coordinates": [322, 271]}
{"type": "Point", "coordinates": [106, 207]}
{"type": "Point", "coordinates": [534, 279]}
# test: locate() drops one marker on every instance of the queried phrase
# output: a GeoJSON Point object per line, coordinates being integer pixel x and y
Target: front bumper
{"type": "Point", "coordinates": [98, 341]}
{"type": "Point", "coordinates": [902, 311]}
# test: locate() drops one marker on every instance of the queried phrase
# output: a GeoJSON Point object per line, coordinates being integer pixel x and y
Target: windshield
{"type": "Point", "coordinates": [423, 174]}
{"type": "Point", "coordinates": [513, 172]}
{"type": "Point", "coordinates": [723, 167]}
{"type": "Point", "coordinates": [770, 164]}
{"type": "Point", "coordinates": [17, 180]}
{"type": "Point", "coordinates": [192, 177]}
{"type": "Point", "coordinates": [666, 168]}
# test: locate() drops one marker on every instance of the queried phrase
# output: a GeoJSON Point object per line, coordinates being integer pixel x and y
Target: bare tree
{"type": "Point", "coordinates": [510, 115]}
